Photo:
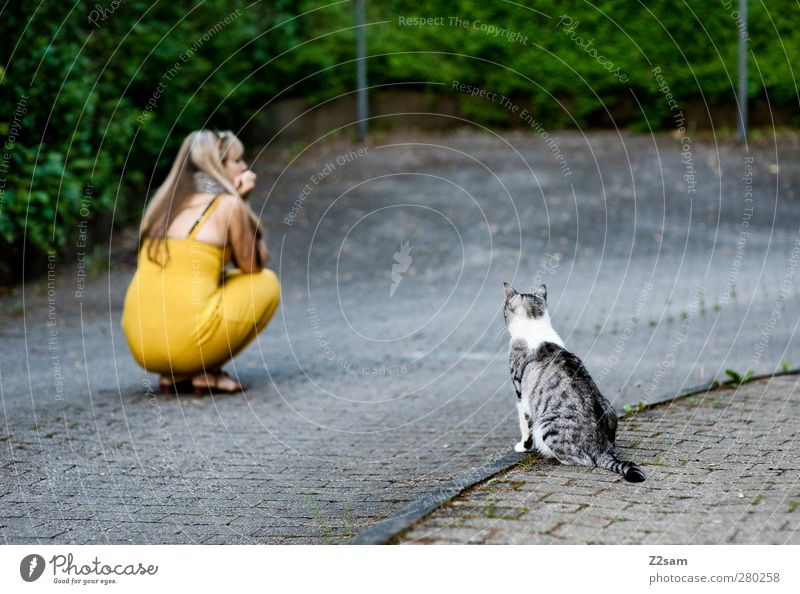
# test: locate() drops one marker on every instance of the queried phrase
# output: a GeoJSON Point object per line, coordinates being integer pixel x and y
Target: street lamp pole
{"type": "Point", "coordinates": [361, 71]}
{"type": "Point", "coordinates": [742, 95]}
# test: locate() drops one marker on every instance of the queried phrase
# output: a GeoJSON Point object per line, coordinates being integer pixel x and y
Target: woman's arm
{"type": "Point", "coordinates": [263, 252]}
{"type": "Point", "coordinates": [245, 238]}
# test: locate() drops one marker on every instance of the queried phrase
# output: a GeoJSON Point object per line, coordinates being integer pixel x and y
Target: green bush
{"type": "Point", "coordinates": [84, 150]}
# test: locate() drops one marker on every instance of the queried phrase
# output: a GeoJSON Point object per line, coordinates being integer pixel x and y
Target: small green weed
{"type": "Point", "coordinates": [736, 378]}
{"type": "Point", "coordinates": [630, 410]}
{"type": "Point", "coordinates": [529, 463]}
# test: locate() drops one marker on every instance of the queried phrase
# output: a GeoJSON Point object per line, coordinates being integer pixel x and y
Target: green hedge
{"type": "Point", "coordinates": [694, 43]}
{"type": "Point", "coordinates": [77, 86]}
{"type": "Point", "coordinates": [86, 146]}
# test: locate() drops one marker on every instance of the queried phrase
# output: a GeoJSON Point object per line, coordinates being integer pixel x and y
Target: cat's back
{"type": "Point", "coordinates": [562, 370]}
{"type": "Point", "coordinates": [566, 387]}
{"type": "Point", "coordinates": [552, 354]}
{"type": "Point", "coordinates": [548, 367]}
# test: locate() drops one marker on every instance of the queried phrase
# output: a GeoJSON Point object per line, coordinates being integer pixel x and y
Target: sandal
{"type": "Point", "coordinates": [213, 387]}
{"type": "Point", "coordinates": [176, 388]}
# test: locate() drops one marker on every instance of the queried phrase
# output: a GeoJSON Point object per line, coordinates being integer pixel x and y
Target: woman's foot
{"type": "Point", "coordinates": [170, 385]}
{"type": "Point", "coordinates": [216, 381]}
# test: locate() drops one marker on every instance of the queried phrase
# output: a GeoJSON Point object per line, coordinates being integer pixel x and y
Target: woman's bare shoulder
{"type": "Point", "coordinates": [230, 204]}
{"type": "Point", "coordinates": [232, 212]}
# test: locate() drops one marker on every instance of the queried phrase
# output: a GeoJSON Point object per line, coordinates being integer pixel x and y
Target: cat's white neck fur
{"type": "Point", "coordinates": [534, 331]}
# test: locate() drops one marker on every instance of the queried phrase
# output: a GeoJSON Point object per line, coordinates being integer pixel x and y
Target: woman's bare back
{"type": "Point", "coordinates": [212, 231]}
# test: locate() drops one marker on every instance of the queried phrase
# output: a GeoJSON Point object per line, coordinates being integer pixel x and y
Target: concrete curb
{"type": "Point", "coordinates": [385, 530]}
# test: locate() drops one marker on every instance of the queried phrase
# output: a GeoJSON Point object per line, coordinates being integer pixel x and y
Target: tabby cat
{"type": "Point", "coordinates": [561, 411]}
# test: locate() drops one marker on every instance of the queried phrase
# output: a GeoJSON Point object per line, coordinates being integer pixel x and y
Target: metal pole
{"type": "Point", "coordinates": [361, 71]}
{"type": "Point", "coordinates": [742, 96]}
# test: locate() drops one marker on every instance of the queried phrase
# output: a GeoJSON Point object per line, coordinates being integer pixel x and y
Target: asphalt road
{"type": "Point", "coordinates": [384, 371]}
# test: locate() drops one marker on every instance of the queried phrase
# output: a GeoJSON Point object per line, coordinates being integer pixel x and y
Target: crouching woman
{"type": "Point", "coordinates": [186, 312]}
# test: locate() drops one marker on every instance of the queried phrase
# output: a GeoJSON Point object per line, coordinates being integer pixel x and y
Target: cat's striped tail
{"type": "Point", "coordinates": [629, 470]}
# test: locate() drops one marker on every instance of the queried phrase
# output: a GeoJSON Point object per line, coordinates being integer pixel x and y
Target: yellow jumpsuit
{"type": "Point", "coordinates": [188, 316]}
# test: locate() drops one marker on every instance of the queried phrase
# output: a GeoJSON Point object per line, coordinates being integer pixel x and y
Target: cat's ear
{"type": "Point", "coordinates": [541, 292]}
{"type": "Point", "coordinates": [509, 291]}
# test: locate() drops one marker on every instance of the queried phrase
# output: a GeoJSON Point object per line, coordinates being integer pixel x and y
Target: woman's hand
{"type": "Point", "coordinates": [244, 183]}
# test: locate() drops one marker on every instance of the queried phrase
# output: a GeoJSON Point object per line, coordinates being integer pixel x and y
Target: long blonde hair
{"type": "Point", "coordinates": [202, 151]}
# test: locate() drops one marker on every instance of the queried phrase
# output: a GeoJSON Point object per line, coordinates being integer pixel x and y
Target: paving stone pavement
{"type": "Point", "coordinates": [722, 468]}
{"type": "Point", "coordinates": [154, 469]}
